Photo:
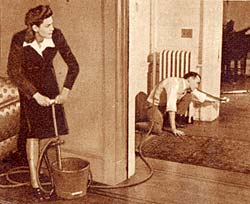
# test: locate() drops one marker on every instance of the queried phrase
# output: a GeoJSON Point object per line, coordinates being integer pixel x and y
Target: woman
{"type": "Point", "coordinates": [30, 67]}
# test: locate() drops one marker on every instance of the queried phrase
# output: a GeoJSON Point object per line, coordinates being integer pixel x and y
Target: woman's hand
{"type": "Point", "coordinates": [42, 100]}
{"type": "Point", "coordinates": [63, 96]}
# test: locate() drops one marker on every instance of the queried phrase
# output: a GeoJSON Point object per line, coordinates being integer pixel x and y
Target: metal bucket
{"type": "Point", "coordinates": [72, 180]}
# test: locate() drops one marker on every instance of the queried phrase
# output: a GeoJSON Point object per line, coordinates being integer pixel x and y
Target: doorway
{"type": "Point", "coordinates": [236, 47]}
{"type": "Point", "coordinates": [158, 23]}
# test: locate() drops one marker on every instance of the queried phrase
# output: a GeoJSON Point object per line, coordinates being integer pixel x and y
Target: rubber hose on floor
{"type": "Point", "coordinates": [25, 170]}
{"type": "Point", "coordinates": [151, 172]}
{"type": "Point", "coordinates": [54, 142]}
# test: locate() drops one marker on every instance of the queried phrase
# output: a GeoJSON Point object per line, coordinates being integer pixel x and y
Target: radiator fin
{"type": "Point", "coordinates": [174, 63]}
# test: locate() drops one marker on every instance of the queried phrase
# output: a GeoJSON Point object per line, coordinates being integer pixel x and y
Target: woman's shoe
{"type": "Point", "coordinates": [38, 194]}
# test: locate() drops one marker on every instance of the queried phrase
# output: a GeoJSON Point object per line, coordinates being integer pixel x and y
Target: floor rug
{"type": "Point", "coordinates": [216, 153]}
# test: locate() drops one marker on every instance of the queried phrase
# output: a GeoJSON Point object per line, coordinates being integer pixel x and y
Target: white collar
{"type": "Point", "coordinates": [43, 45]}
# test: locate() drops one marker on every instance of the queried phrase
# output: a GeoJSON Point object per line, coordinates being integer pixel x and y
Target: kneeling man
{"type": "Point", "coordinates": [172, 97]}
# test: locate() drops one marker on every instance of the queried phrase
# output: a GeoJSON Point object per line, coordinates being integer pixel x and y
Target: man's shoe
{"type": "Point", "coordinates": [181, 121]}
{"type": "Point", "coordinates": [179, 125]}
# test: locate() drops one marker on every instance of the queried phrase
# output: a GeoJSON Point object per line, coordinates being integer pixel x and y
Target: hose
{"type": "Point", "coordinates": [223, 100]}
{"type": "Point", "coordinates": [43, 155]}
{"type": "Point", "coordinates": [25, 170]}
{"type": "Point", "coordinates": [57, 142]}
{"type": "Point", "coordinates": [150, 174]}
{"type": "Point", "coordinates": [13, 184]}
{"type": "Point", "coordinates": [49, 144]}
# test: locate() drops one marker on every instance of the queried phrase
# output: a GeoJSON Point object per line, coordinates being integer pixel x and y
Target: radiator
{"type": "Point", "coordinates": [174, 63]}
{"type": "Point", "coordinates": [169, 63]}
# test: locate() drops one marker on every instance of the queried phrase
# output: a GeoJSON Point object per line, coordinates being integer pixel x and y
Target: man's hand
{"type": "Point", "coordinates": [177, 132]}
{"type": "Point", "coordinates": [42, 100]}
{"type": "Point", "coordinates": [63, 96]}
{"type": "Point", "coordinates": [173, 125]}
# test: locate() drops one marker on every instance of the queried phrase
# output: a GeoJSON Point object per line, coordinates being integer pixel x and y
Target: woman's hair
{"type": "Point", "coordinates": [35, 16]}
{"type": "Point", "coordinates": [191, 74]}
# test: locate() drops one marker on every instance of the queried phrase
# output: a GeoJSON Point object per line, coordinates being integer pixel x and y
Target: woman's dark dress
{"type": "Point", "coordinates": [33, 73]}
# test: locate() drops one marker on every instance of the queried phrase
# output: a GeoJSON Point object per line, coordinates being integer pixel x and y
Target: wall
{"type": "Point", "coordinates": [161, 22]}
{"type": "Point", "coordinates": [211, 56]}
{"type": "Point", "coordinates": [139, 48]}
{"type": "Point", "coordinates": [10, 24]}
{"type": "Point", "coordinates": [174, 16]}
{"type": "Point", "coordinates": [96, 111]}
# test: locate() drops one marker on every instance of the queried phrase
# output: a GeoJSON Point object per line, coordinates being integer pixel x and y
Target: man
{"type": "Point", "coordinates": [173, 96]}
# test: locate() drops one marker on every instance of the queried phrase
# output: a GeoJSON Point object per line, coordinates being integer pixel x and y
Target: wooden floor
{"type": "Point", "coordinates": [171, 183]}
{"type": "Point", "coordinates": [174, 182]}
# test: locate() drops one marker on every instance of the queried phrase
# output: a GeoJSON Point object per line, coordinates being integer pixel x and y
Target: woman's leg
{"type": "Point", "coordinates": [32, 150]}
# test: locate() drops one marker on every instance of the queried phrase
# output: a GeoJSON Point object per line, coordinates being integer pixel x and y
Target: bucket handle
{"type": "Point", "coordinates": [90, 178]}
